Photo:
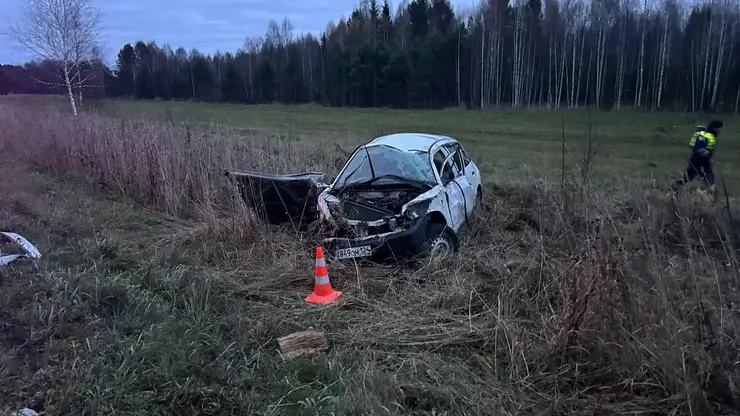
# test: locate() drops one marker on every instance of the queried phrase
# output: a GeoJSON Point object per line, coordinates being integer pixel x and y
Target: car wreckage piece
{"type": "Point", "coordinates": [281, 198]}
{"type": "Point", "coordinates": [397, 195]}
{"type": "Point", "coordinates": [29, 250]}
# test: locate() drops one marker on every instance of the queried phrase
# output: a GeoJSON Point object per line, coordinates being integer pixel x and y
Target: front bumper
{"type": "Point", "coordinates": [395, 244]}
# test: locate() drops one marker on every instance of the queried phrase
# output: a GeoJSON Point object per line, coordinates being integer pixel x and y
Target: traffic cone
{"type": "Point", "coordinates": [322, 291]}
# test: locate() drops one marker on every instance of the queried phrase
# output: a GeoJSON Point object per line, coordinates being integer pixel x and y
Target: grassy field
{"type": "Point", "coordinates": [509, 143]}
{"type": "Point", "coordinates": [157, 294]}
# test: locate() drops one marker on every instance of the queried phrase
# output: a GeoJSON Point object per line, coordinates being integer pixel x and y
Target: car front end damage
{"type": "Point", "coordinates": [376, 223]}
{"type": "Point", "coordinates": [388, 200]}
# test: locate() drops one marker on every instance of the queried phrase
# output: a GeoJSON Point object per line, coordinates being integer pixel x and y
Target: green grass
{"type": "Point", "coordinates": [574, 300]}
{"type": "Point", "coordinates": [508, 143]}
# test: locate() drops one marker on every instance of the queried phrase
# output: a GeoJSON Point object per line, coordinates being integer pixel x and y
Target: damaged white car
{"type": "Point", "coordinates": [398, 195]}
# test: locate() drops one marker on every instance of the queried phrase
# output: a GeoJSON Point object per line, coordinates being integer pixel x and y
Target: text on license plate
{"type": "Point", "coordinates": [352, 252]}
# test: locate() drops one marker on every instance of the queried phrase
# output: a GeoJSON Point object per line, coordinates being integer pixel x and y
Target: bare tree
{"type": "Point", "coordinates": [63, 32]}
{"type": "Point", "coordinates": [252, 47]}
{"type": "Point", "coordinates": [626, 7]}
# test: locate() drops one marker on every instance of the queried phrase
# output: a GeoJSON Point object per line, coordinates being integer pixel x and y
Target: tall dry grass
{"type": "Point", "coordinates": [170, 166]}
{"type": "Point", "coordinates": [564, 300]}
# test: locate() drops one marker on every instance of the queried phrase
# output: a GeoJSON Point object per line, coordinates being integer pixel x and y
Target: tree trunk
{"type": "Point", "coordinates": [561, 80]}
{"type": "Point", "coordinates": [619, 88]}
{"type": "Point", "coordinates": [192, 82]}
{"type": "Point", "coordinates": [311, 89]}
{"type": "Point", "coordinates": [707, 69]}
{"type": "Point", "coordinates": [482, 48]}
{"type": "Point", "coordinates": [664, 51]}
{"type": "Point", "coordinates": [457, 79]}
{"type": "Point", "coordinates": [302, 343]}
{"type": "Point", "coordinates": [641, 68]}
{"type": "Point", "coordinates": [71, 96]}
{"type": "Point", "coordinates": [718, 66]}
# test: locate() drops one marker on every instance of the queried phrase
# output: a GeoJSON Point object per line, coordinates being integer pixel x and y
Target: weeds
{"type": "Point", "coordinates": [614, 304]}
{"type": "Point", "coordinates": [171, 167]}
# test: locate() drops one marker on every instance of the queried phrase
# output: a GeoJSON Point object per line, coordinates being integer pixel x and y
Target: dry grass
{"type": "Point", "coordinates": [565, 299]}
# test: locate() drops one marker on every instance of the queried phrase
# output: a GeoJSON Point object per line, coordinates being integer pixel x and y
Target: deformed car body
{"type": "Point", "coordinates": [397, 195]}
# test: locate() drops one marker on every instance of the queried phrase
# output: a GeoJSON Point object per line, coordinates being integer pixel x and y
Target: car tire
{"type": "Point", "coordinates": [441, 241]}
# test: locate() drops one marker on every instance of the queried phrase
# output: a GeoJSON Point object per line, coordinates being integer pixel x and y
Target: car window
{"type": "Point", "coordinates": [449, 171]}
{"type": "Point", "coordinates": [439, 159]}
{"type": "Point", "coordinates": [446, 170]}
{"type": "Point", "coordinates": [458, 159]}
{"type": "Point", "coordinates": [386, 160]}
{"type": "Point", "coordinates": [463, 155]}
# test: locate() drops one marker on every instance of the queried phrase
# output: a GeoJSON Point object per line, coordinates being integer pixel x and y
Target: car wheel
{"type": "Point", "coordinates": [441, 242]}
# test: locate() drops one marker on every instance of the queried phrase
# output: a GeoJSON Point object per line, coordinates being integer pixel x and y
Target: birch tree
{"type": "Point", "coordinates": [517, 72]}
{"type": "Point", "coordinates": [63, 32]}
{"type": "Point", "coordinates": [626, 8]}
{"type": "Point", "coordinates": [641, 64]}
{"type": "Point", "coordinates": [720, 45]}
{"type": "Point", "coordinates": [601, 18]}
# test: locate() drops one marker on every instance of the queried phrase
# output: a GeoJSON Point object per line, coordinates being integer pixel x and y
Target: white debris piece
{"type": "Point", "coordinates": [29, 250]}
{"type": "Point", "coordinates": [27, 412]}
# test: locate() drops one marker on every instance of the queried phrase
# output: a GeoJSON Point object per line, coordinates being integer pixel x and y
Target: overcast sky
{"type": "Point", "coordinates": [208, 25]}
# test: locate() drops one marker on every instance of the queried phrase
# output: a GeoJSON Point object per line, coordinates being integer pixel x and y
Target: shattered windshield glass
{"type": "Point", "coordinates": [387, 160]}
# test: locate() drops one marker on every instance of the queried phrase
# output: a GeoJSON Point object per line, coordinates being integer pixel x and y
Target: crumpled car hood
{"type": "Point", "coordinates": [416, 207]}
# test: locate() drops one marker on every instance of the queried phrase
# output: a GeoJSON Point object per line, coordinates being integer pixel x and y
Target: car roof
{"type": "Point", "coordinates": [407, 142]}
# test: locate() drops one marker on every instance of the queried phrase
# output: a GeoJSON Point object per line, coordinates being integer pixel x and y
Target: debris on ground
{"type": "Point", "coordinates": [21, 248]}
{"type": "Point", "coordinates": [297, 344]}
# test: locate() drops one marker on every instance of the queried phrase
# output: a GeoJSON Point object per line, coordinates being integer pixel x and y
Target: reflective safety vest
{"type": "Point", "coordinates": [706, 139]}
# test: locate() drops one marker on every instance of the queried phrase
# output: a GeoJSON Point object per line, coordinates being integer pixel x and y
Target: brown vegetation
{"type": "Point", "coordinates": [564, 300]}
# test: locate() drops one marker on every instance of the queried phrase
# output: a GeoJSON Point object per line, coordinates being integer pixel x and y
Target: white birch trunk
{"type": "Point", "coordinates": [71, 96]}
{"type": "Point", "coordinates": [619, 87]}
{"type": "Point", "coordinates": [457, 72]}
{"type": "Point", "coordinates": [718, 66]}
{"type": "Point", "coordinates": [664, 50]}
{"type": "Point", "coordinates": [559, 93]}
{"type": "Point", "coordinates": [641, 65]}
{"type": "Point", "coordinates": [482, 58]}
{"type": "Point", "coordinates": [706, 73]}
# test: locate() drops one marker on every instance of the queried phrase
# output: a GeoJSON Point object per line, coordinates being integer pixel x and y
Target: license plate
{"type": "Point", "coordinates": [352, 252]}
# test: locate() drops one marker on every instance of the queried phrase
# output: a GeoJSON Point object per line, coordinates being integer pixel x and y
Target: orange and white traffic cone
{"type": "Point", "coordinates": [322, 291]}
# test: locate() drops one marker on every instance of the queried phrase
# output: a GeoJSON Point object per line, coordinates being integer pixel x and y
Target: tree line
{"type": "Point", "coordinates": [641, 54]}
{"type": "Point", "coordinates": [42, 78]}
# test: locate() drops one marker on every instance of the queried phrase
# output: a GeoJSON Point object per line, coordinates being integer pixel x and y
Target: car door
{"type": "Point", "coordinates": [471, 170]}
{"type": "Point", "coordinates": [455, 199]}
{"type": "Point", "coordinates": [463, 180]}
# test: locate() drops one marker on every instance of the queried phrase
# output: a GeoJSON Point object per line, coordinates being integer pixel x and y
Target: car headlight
{"type": "Point", "coordinates": [411, 214]}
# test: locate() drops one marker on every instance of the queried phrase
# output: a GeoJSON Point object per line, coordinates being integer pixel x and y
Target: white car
{"type": "Point", "coordinates": [399, 194]}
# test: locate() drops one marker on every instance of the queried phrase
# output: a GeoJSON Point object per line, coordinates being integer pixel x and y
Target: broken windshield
{"type": "Point", "coordinates": [386, 160]}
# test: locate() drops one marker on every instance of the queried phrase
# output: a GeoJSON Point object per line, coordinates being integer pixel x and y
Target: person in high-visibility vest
{"type": "Point", "coordinates": [700, 160]}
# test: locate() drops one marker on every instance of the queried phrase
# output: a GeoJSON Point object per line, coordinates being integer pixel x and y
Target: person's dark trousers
{"type": "Point", "coordinates": [698, 165]}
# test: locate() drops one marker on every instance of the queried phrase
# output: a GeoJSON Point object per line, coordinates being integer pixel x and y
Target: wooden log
{"type": "Point", "coordinates": [303, 343]}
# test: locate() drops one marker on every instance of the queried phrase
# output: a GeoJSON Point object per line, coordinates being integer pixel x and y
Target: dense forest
{"type": "Point", "coordinates": [644, 54]}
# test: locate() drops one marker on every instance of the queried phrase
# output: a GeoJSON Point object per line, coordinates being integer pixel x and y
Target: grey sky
{"type": "Point", "coordinates": [208, 25]}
